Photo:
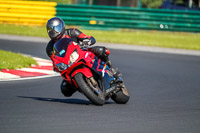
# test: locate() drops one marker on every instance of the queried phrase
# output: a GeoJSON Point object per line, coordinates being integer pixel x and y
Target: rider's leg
{"type": "Point", "coordinates": [67, 89]}
{"type": "Point", "coordinates": [103, 53]}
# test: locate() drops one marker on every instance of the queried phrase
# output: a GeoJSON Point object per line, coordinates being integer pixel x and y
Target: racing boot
{"type": "Point", "coordinates": [116, 73]}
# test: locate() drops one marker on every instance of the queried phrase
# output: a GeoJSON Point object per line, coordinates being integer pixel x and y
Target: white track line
{"type": "Point", "coordinates": [37, 77]}
{"type": "Point", "coordinates": [4, 76]}
{"type": "Point", "coordinates": [37, 70]}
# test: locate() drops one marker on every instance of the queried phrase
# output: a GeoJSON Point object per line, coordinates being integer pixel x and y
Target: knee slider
{"type": "Point", "coordinates": [66, 89]}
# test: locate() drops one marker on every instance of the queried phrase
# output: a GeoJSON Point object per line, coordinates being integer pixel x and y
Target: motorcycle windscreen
{"type": "Point", "coordinates": [103, 71]}
{"type": "Point", "coordinates": [60, 47]}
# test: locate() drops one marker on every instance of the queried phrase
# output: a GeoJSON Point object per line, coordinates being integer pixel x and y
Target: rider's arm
{"type": "Point", "coordinates": [49, 48]}
{"type": "Point", "coordinates": [49, 51]}
{"type": "Point", "coordinates": [87, 40]}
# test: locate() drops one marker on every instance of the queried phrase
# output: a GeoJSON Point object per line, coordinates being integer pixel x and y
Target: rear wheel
{"type": "Point", "coordinates": [91, 91]}
{"type": "Point", "coordinates": [121, 96]}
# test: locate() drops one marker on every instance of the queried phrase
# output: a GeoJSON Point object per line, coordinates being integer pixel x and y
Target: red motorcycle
{"type": "Point", "coordinates": [89, 74]}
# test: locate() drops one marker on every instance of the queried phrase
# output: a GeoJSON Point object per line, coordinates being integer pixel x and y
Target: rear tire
{"type": "Point", "coordinates": [122, 96]}
{"type": "Point", "coordinates": [87, 91]}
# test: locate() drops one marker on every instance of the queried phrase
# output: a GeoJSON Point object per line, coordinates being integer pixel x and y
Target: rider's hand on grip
{"type": "Point", "coordinates": [86, 43]}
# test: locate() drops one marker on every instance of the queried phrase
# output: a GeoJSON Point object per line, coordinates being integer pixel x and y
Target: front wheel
{"type": "Point", "coordinates": [84, 86]}
{"type": "Point", "coordinates": [121, 96]}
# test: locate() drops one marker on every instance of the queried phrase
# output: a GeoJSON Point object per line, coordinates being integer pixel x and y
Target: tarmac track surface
{"type": "Point", "coordinates": [164, 89]}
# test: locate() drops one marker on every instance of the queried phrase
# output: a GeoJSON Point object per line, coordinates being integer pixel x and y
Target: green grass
{"type": "Point", "coordinates": [11, 60]}
{"type": "Point", "coordinates": [179, 40]}
{"type": "Point", "coordinates": [23, 30]}
{"type": "Point", "coordinates": [150, 38]}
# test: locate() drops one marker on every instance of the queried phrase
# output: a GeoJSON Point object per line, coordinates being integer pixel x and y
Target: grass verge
{"type": "Point", "coordinates": [11, 60]}
{"type": "Point", "coordinates": [133, 37]}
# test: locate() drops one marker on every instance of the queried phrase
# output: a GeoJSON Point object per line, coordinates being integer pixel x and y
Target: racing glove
{"type": "Point", "coordinates": [86, 43]}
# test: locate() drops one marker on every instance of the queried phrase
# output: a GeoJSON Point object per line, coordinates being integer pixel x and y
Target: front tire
{"type": "Point", "coordinates": [84, 87]}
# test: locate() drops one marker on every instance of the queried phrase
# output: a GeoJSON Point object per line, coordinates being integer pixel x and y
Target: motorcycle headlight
{"type": "Point", "coordinates": [61, 66]}
{"type": "Point", "coordinates": [73, 57]}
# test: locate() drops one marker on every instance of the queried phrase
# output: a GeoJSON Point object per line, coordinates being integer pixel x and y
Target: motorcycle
{"type": "Point", "coordinates": [87, 73]}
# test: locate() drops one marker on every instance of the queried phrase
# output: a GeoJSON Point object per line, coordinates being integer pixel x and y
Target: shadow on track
{"type": "Point", "coordinates": [69, 101]}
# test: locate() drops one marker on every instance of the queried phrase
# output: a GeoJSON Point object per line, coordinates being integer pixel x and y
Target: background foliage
{"type": "Point", "coordinates": [151, 3]}
{"type": "Point", "coordinates": [145, 3]}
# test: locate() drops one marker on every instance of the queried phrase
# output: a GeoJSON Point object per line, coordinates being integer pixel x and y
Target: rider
{"type": "Point", "coordinates": [56, 30]}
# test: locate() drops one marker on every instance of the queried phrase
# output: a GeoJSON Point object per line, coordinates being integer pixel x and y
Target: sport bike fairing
{"type": "Point", "coordinates": [64, 49]}
{"type": "Point", "coordinates": [104, 71]}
